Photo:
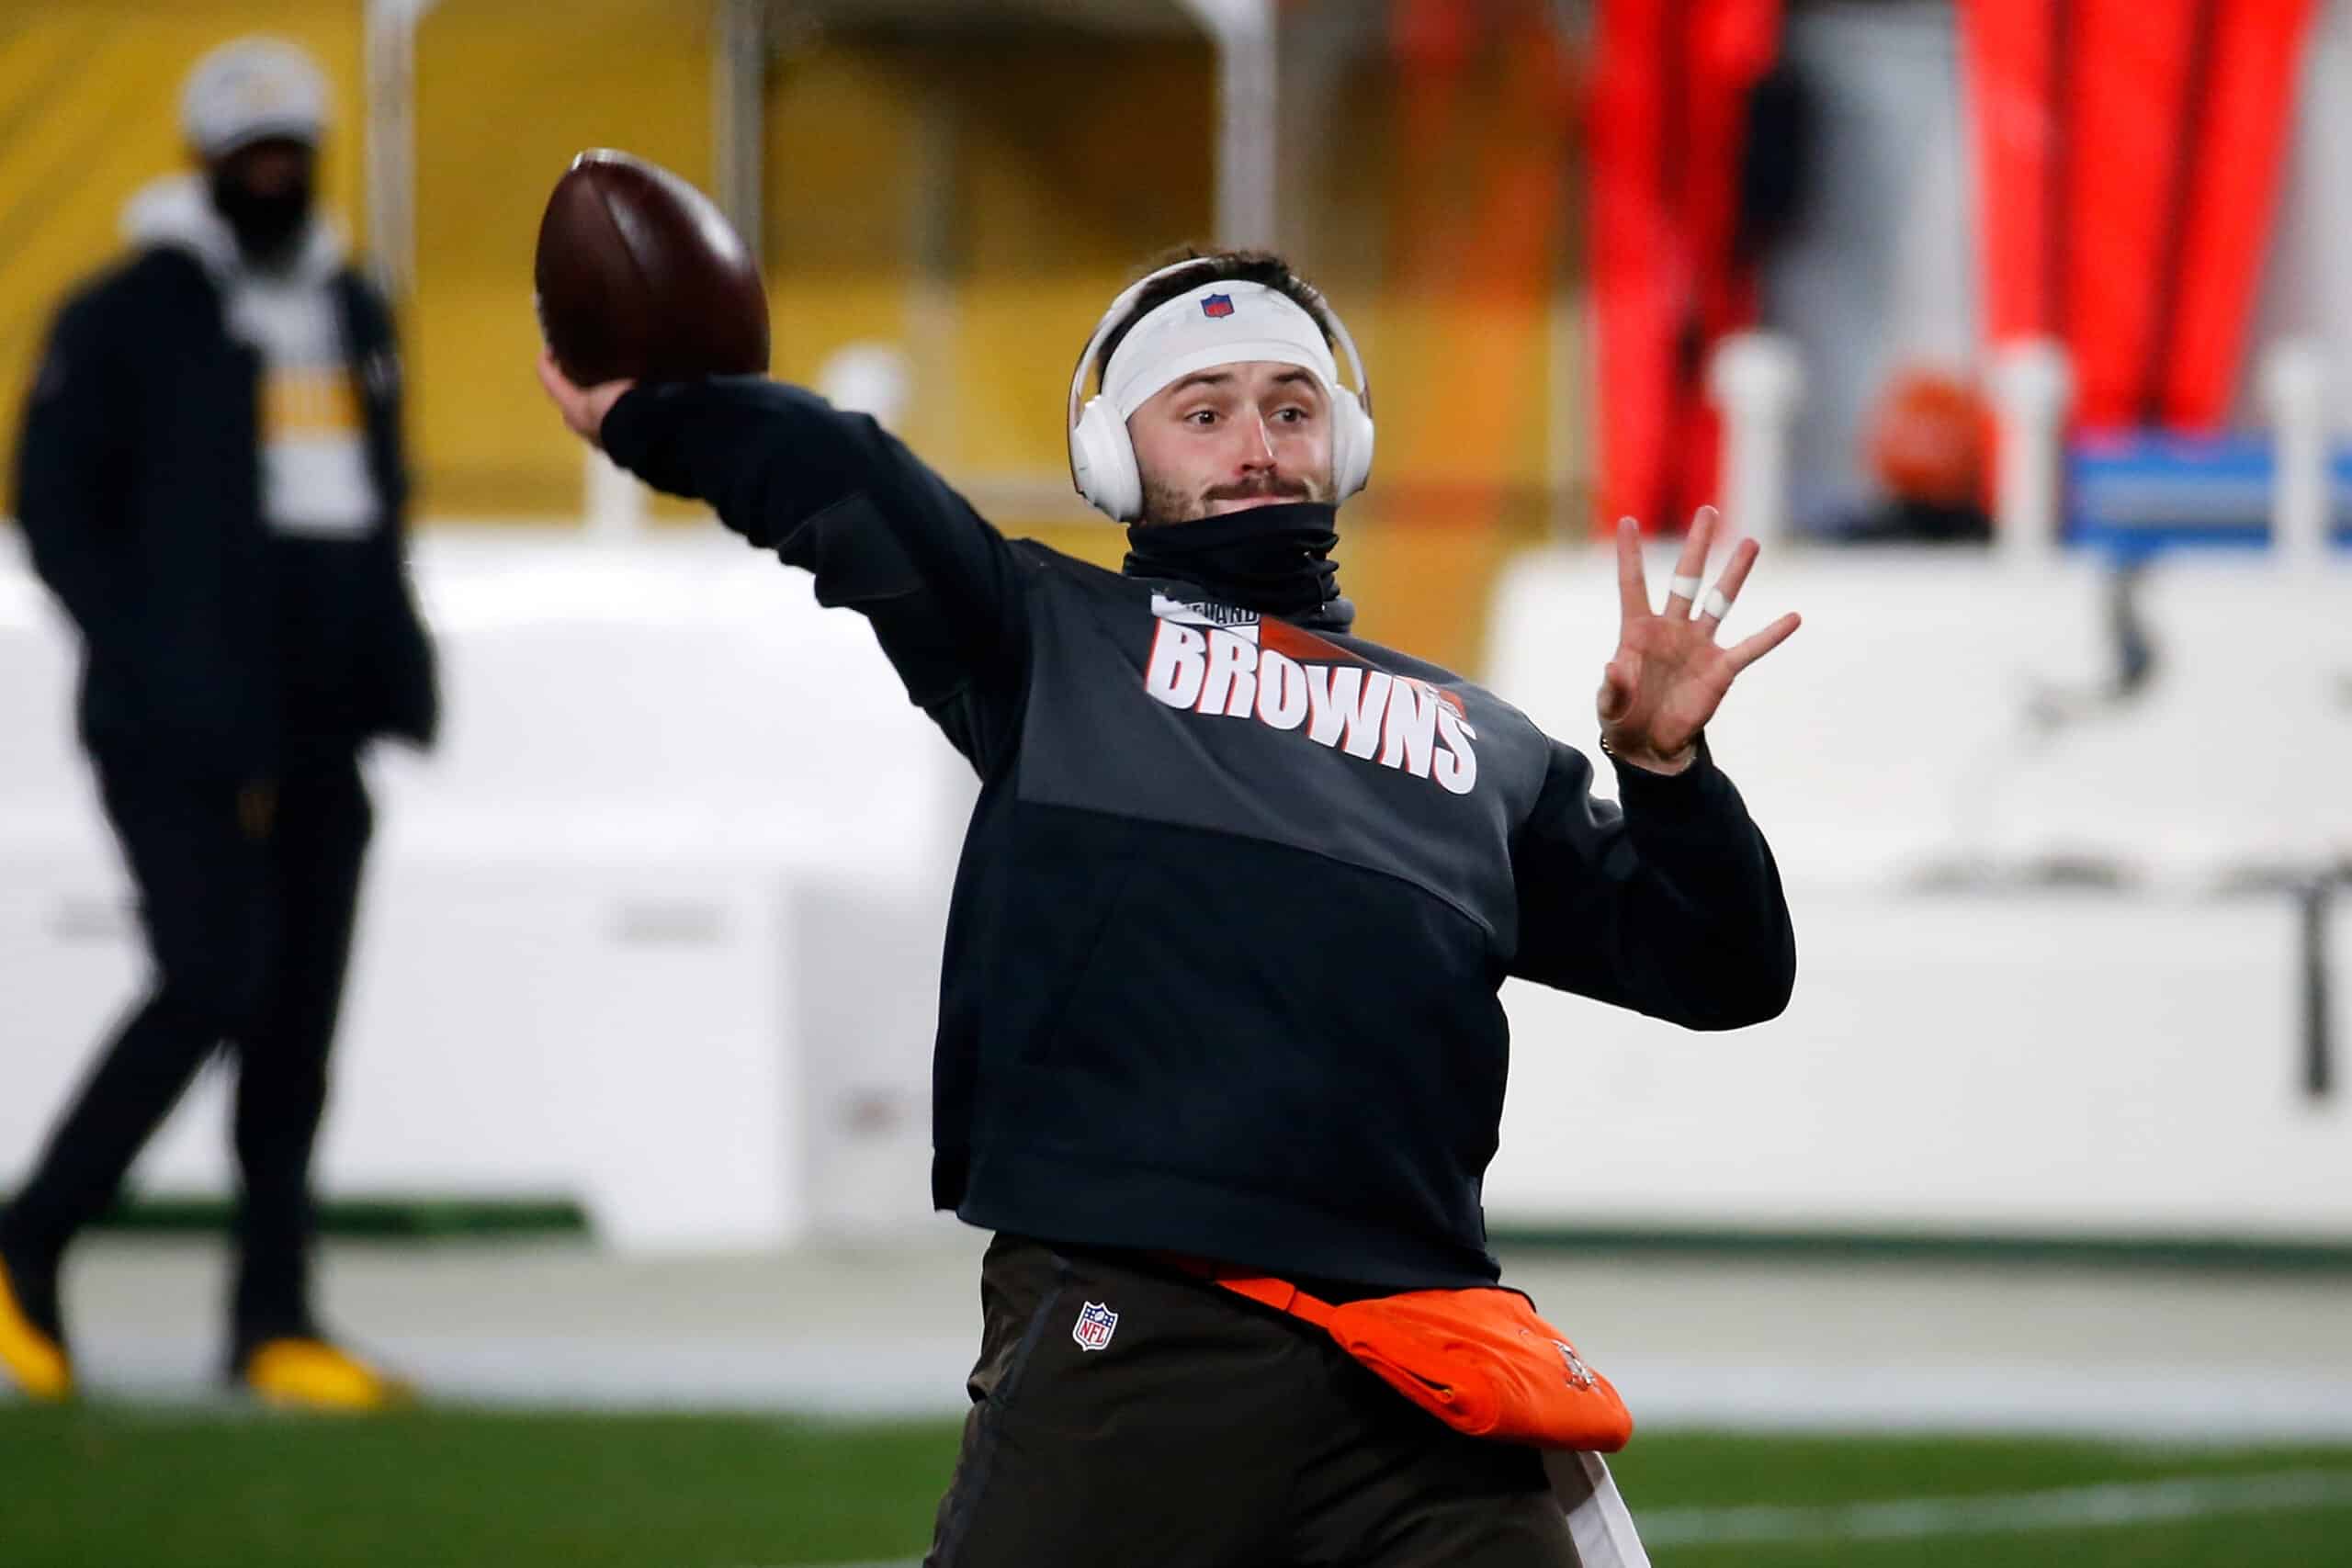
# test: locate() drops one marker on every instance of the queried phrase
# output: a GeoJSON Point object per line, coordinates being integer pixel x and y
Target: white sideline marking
{"type": "Point", "coordinates": [2010, 1513]}
{"type": "Point", "coordinates": [2013, 1513]}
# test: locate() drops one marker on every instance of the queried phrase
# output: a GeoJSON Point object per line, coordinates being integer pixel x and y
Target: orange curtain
{"type": "Point", "coordinates": [1667, 113]}
{"type": "Point", "coordinates": [2128, 155]}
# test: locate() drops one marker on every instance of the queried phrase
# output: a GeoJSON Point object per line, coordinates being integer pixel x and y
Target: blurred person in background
{"type": "Point", "coordinates": [211, 483]}
{"type": "Point", "coordinates": [1219, 995]}
{"type": "Point", "coordinates": [1928, 448]}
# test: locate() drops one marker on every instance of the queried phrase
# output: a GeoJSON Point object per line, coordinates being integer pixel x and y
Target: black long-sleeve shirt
{"type": "Point", "coordinates": [1237, 895]}
{"type": "Point", "coordinates": [210, 648]}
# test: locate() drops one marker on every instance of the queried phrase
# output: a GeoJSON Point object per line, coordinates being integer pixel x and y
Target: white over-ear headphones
{"type": "Point", "coordinates": [1102, 456]}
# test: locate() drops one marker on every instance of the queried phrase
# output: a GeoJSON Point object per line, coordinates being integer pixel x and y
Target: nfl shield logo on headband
{"type": "Point", "coordinates": [1216, 305]}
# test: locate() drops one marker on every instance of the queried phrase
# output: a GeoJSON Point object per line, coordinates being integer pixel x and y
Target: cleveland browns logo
{"type": "Point", "coordinates": [1212, 660]}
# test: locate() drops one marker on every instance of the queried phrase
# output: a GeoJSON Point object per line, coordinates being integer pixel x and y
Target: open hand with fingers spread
{"type": "Point", "coordinates": [1668, 674]}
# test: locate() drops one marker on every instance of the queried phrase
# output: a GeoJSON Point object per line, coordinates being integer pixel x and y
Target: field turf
{"type": "Point", "coordinates": [111, 1486]}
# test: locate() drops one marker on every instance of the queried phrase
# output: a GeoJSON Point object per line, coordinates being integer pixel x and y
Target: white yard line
{"type": "Point", "coordinates": [2007, 1513]}
{"type": "Point", "coordinates": [2012, 1513]}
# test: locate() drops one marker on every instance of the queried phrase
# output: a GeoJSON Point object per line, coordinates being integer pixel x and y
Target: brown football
{"type": "Point", "coordinates": [639, 274]}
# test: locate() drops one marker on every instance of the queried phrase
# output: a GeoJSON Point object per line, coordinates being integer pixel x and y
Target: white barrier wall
{"type": "Point", "coordinates": [2033, 1063]}
{"type": "Point", "coordinates": [657, 926]}
{"type": "Point", "coordinates": [667, 780]}
{"type": "Point", "coordinates": [1992, 1056]}
{"type": "Point", "coordinates": [1940, 707]}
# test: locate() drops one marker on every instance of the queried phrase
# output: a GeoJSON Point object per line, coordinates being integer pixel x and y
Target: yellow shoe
{"type": "Point", "coordinates": [30, 1359]}
{"type": "Point", "coordinates": [310, 1374]}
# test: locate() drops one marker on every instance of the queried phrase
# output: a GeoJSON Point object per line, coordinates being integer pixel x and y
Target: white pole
{"type": "Point", "coordinates": [1571, 414]}
{"type": "Point", "coordinates": [611, 498]}
{"type": "Point", "coordinates": [738, 109]}
{"type": "Point", "coordinates": [2294, 388]}
{"type": "Point", "coordinates": [2032, 385]}
{"type": "Point", "coordinates": [1244, 32]}
{"type": "Point", "coordinates": [387, 152]}
{"type": "Point", "coordinates": [1758, 379]}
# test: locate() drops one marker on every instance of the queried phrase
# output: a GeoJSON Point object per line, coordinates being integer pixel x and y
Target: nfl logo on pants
{"type": "Point", "coordinates": [1094, 1326]}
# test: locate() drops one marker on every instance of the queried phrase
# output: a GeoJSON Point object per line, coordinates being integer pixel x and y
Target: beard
{"type": "Point", "coordinates": [1166, 503]}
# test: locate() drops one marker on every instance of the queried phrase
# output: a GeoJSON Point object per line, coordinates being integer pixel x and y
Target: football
{"type": "Point", "coordinates": [639, 275]}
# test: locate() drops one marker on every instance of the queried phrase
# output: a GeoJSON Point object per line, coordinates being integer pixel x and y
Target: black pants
{"type": "Point", "coordinates": [249, 937]}
{"type": "Point", "coordinates": [1209, 1432]}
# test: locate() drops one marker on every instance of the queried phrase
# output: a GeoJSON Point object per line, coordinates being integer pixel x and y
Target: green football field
{"type": "Point", "coordinates": [114, 1486]}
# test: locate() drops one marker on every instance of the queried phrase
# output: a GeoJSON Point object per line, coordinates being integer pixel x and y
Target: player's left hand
{"type": "Point", "coordinates": [1667, 676]}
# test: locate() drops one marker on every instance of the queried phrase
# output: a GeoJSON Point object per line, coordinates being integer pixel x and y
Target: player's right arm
{"type": "Point", "coordinates": [840, 497]}
{"type": "Point", "coordinates": [72, 455]}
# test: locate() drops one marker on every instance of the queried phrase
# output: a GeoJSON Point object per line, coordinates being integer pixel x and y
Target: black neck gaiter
{"type": "Point", "coordinates": [269, 228]}
{"type": "Point", "coordinates": [1273, 559]}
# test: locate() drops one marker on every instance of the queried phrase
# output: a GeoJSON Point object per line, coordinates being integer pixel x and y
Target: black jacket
{"type": "Point", "coordinates": [1238, 892]}
{"type": "Point", "coordinates": [138, 486]}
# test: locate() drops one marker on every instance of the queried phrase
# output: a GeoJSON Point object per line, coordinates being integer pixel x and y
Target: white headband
{"type": "Point", "coordinates": [1227, 322]}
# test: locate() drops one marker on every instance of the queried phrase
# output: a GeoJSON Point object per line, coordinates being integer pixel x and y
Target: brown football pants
{"type": "Point", "coordinates": [1206, 1431]}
